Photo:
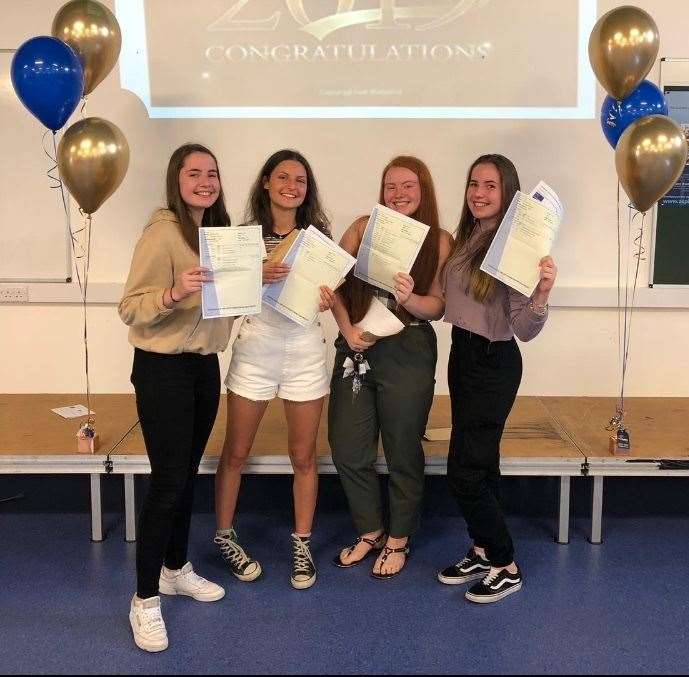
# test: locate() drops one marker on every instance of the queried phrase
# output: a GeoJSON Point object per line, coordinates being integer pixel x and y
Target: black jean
{"type": "Point", "coordinates": [483, 379]}
{"type": "Point", "coordinates": [177, 400]}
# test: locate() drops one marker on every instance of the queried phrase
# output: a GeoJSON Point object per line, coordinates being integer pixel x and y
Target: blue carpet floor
{"type": "Point", "coordinates": [616, 608]}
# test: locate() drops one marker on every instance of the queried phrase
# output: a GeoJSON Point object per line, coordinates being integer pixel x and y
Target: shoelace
{"type": "Point", "coordinates": [152, 619]}
{"type": "Point", "coordinates": [466, 560]}
{"type": "Point", "coordinates": [194, 579]}
{"type": "Point", "coordinates": [303, 562]}
{"type": "Point", "coordinates": [233, 552]}
{"type": "Point", "coordinates": [459, 565]}
{"type": "Point", "coordinates": [490, 578]}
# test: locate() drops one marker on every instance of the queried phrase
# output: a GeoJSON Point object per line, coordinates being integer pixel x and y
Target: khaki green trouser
{"type": "Point", "coordinates": [395, 399]}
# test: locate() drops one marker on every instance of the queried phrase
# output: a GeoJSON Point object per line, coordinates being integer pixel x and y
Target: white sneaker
{"type": "Point", "coordinates": [147, 624]}
{"type": "Point", "coordinates": [186, 582]}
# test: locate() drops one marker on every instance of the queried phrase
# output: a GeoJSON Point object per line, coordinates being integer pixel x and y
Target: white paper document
{"type": "Point", "coordinates": [234, 256]}
{"type": "Point", "coordinates": [549, 198]}
{"type": "Point", "coordinates": [379, 322]}
{"type": "Point", "coordinates": [390, 245]}
{"type": "Point", "coordinates": [72, 411]}
{"type": "Point", "coordinates": [524, 237]}
{"type": "Point", "coordinates": [315, 261]}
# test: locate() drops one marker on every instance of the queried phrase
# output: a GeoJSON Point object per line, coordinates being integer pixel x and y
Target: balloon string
{"type": "Point", "coordinates": [629, 305]}
{"type": "Point", "coordinates": [86, 341]}
{"type": "Point", "coordinates": [620, 350]}
{"type": "Point", "coordinates": [626, 313]}
{"type": "Point", "coordinates": [54, 172]}
{"type": "Point", "coordinates": [81, 250]}
{"type": "Point", "coordinates": [84, 291]}
{"type": "Point", "coordinates": [616, 421]}
{"type": "Point", "coordinates": [639, 256]}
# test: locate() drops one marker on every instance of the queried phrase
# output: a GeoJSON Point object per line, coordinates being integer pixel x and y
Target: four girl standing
{"type": "Point", "coordinates": [177, 383]}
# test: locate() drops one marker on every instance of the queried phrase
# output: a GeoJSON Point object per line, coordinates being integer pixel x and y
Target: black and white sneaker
{"type": "Point", "coordinates": [495, 587]}
{"type": "Point", "coordinates": [303, 568]}
{"type": "Point", "coordinates": [241, 565]}
{"type": "Point", "coordinates": [471, 568]}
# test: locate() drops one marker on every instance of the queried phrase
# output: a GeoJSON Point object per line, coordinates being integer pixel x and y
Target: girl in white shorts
{"type": "Point", "coordinates": [275, 357]}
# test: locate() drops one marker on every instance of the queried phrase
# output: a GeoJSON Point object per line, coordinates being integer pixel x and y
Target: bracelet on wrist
{"type": "Point", "coordinates": [538, 309]}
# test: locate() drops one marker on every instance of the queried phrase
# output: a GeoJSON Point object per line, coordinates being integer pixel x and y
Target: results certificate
{"type": "Point", "coordinates": [314, 260]}
{"type": "Point", "coordinates": [524, 237]}
{"type": "Point", "coordinates": [234, 257]}
{"type": "Point", "coordinates": [390, 245]}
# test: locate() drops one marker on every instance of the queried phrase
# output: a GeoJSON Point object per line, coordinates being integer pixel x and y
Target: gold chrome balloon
{"type": "Point", "coordinates": [93, 157]}
{"type": "Point", "coordinates": [650, 157]}
{"type": "Point", "coordinates": [623, 48]}
{"type": "Point", "coordinates": [93, 32]}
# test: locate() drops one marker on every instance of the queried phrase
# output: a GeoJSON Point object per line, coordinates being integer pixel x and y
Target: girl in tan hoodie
{"type": "Point", "coordinates": [176, 379]}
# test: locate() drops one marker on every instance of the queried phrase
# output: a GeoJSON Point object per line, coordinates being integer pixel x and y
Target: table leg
{"type": "Point", "coordinates": [597, 511]}
{"type": "Point", "coordinates": [129, 509]}
{"type": "Point", "coordinates": [563, 526]}
{"type": "Point", "coordinates": [96, 508]}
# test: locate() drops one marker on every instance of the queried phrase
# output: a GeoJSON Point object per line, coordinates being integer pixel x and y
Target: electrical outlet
{"type": "Point", "coordinates": [14, 293]}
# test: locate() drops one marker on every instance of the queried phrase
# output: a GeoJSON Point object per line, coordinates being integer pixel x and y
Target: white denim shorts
{"type": "Point", "coordinates": [273, 356]}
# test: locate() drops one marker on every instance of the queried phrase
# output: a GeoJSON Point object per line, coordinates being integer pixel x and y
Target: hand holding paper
{"type": "Point", "coordinates": [404, 287]}
{"type": "Point", "coordinates": [327, 299]}
{"type": "Point", "coordinates": [548, 275]}
{"type": "Point", "coordinates": [274, 271]}
{"type": "Point", "coordinates": [315, 261]}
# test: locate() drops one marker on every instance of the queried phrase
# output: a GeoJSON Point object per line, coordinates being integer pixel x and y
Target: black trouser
{"type": "Point", "coordinates": [483, 379]}
{"type": "Point", "coordinates": [177, 400]}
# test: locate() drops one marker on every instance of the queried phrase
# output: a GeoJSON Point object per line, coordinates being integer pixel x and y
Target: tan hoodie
{"type": "Point", "coordinates": [160, 256]}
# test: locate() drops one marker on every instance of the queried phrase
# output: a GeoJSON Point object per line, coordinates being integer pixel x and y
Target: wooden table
{"type": "Point", "coordinates": [659, 435]}
{"type": "Point", "coordinates": [35, 440]}
{"type": "Point", "coordinates": [545, 436]}
{"type": "Point", "coordinates": [534, 444]}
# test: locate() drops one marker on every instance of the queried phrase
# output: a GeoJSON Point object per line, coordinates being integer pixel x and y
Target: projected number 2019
{"type": "Point", "coordinates": [388, 15]}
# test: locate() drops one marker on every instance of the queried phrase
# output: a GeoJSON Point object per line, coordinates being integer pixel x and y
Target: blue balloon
{"type": "Point", "coordinates": [616, 116]}
{"type": "Point", "coordinates": [48, 79]}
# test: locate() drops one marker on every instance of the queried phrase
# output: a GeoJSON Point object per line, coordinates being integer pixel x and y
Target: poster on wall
{"type": "Point", "coordinates": [671, 241]}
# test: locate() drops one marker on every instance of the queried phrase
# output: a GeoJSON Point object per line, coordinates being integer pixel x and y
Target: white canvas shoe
{"type": "Point", "coordinates": [187, 582]}
{"type": "Point", "coordinates": [147, 624]}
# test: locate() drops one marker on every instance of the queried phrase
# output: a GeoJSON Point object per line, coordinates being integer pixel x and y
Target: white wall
{"type": "Point", "coordinates": [576, 354]}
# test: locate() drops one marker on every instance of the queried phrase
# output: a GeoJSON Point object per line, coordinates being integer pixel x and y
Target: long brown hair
{"type": "Point", "coordinates": [356, 294]}
{"type": "Point", "coordinates": [480, 285]}
{"type": "Point", "coordinates": [309, 213]}
{"type": "Point", "coordinates": [215, 215]}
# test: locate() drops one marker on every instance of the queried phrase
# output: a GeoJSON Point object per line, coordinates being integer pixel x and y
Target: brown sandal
{"type": "Point", "coordinates": [404, 550]}
{"type": "Point", "coordinates": [375, 543]}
